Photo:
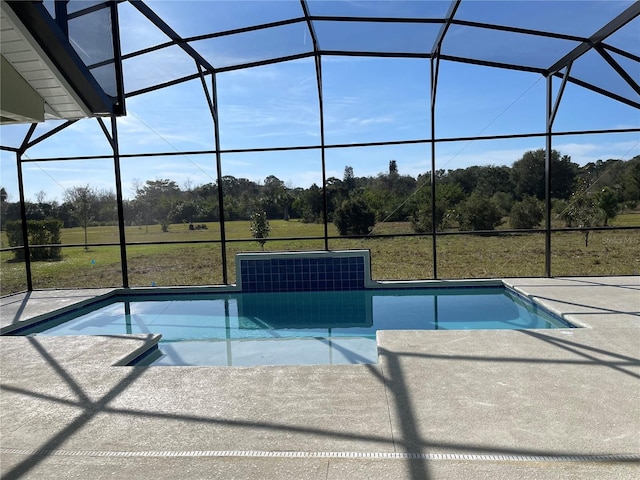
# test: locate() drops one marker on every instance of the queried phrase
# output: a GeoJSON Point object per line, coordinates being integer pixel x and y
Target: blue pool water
{"type": "Point", "coordinates": [335, 327]}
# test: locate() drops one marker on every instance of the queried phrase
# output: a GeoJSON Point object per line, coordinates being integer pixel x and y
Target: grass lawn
{"type": "Point", "coordinates": [459, 256]}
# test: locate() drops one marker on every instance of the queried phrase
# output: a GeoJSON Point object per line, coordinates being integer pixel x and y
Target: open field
{"type": "Point", "coordinates": [459, 256]}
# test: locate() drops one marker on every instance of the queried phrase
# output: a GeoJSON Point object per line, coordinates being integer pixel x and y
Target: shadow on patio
{"type": "Point", "coordinates": [398, 373]}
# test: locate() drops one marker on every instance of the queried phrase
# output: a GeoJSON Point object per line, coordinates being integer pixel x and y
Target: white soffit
{"type": "Point", "coordinates": [25, 55]}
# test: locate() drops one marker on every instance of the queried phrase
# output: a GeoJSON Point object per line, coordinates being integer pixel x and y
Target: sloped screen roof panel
{"type": "Point", "coordinates": [193, 18]}
{"type": "Point", "coordinates": [157, 67]}
{"type": "Point", "coordinates": [374, 36]}
{"type": "Point", "coordinates": [538, 36]}
{"type": "Point", "coordinates": [76, 6]}
{"type": "Point", "coordinates": [396, 9]}
{"type": "Point", "coordinates": [525, 35]}
{"type": "Point", "coordinates": [256, 45]}
{"type": "Point", "coordinates": [136, 31]}
{"type": "Point", "coordinates": [86, 34]}
{"type": "Point", "coordinates": [627, 38]}
{"type": "Point", "coordinates": [631, 66]}
{"type": "Point", "coordinates": [504, 47]}
{"type": "Point", "coordinates": [594, 69]}
{"type": "Point", "coordinates": [579, 18]}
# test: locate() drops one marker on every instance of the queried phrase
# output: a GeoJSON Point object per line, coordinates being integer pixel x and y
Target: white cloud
{"type": "Point", "coordinates": [583, 153]}
{"type": "Point", "coordinates": [363, 122]}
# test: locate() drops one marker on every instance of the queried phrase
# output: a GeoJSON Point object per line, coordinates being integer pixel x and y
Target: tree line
{"type": "Point", "coordinates": [472, 198]}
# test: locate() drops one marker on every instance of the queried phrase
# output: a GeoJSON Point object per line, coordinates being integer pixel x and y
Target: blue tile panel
{"type": "Point", "coordinates": [302, 274]}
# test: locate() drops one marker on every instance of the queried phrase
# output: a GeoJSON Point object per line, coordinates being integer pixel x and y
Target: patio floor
{"type": "Point", "coordinates": [439, 404]}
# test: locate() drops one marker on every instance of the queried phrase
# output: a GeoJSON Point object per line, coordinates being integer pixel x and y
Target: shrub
{"type": "Point", "coordinates": [40, 232]}
{"type": "Point", "coordinates": [260, 227]}
{"type": "Point", "coordinates": [478, 212]}
{"type": "Point", "coordinates": [353, 217]}
{"type": "Point", "coordinates": [608, 201]}
{"type": "Point", "coordinates": [526, 214]}
{"type": "Point", "coordinates": [448, 197]}
{"type": "Point", "coordinates": [504, 202]}
{"type": "Point", "coordinates": [421, 219]}
{"type": "Point", "coordinates": [583, 212]}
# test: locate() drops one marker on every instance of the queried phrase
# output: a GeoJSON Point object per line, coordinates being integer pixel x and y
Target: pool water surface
{"type": "Point", "coordinates": [295, 328]}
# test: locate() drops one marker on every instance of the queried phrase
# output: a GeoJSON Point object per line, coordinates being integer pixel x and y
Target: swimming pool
{"type": "Point", "coordinates": [328, 327]}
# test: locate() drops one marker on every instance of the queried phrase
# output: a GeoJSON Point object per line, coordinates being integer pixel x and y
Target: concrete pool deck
{"type": "Point", "coordinates": [532, 404]}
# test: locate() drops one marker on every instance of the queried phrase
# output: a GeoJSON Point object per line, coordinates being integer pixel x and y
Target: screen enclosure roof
{"type": "Point", "coordinates": [595, 44]}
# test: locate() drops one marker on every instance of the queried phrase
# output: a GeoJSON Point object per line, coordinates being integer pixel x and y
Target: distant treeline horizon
{"type": "Point", "coordinates": [609, 185]}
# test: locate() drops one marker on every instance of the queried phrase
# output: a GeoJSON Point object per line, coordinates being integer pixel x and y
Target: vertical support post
{"type": "Point", "coordinates": [552, 110]}
{"type": "Point", "coordinates": [23, 207]}
{"type": "Point", "coordinates": [318, 64]}
{"type": "Point", "coordinates": [547, 177]}
{"type": "Point", "coordinates": [325, 203]}
{"type": "Point", "coordinates": [23, 218]}
{"type": "Point", "coordinates": [119, 201]}
{"type": "Point", "coordinates": [434, 85]}
{"type": "Point", "coordinates": [216, 129]}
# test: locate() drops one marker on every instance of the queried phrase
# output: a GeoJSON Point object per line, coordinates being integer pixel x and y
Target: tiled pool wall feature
{"type": "Point", "coordinates": [304, 271]}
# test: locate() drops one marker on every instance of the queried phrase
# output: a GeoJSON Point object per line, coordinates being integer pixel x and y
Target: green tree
{"type": "Point", "coordinates": [608, 201]}
{"type": "Point", "coordinates": [83, 202]}
{"type": "Point", "coordinates": [421, 220]}
{"type": "Point", "coordinates": [353, 217]}
{"type": "Point", "coordinates": [478, 212]}
{"type": "Point", "coordinates": [276, 198]}
{"type": "Point", "coordinates": [493, 179]}
{"type": "Point", "coordinates": [528, 174]}
{"type": "Point", "coordinates": [336, 194]}
{"type": "Point", "coordinates": [467, 178]}
{"type": "Point", "coordinates": [309, 203]}
{"type": "Point", "coordinates": [528, 213]}
{"type": "Point", "coordinates": [260, 227]}
{"type": "Point", "coordinates": [106, 212]}
{"type": "Point", "coordinates": [185, 211]}
{"type": "Point", "coordinates": [388, 193]}
{"type": "Point", "coordinates": [605, 173]}
{"type": "Point", "coordinates": [504, 201]}
{"type": "Point", "coordinates": [384, 204]}
{"type": "Point", "coordinates": [448, 196]}
{"type": "Point", "coordinates": [349, 179]}
{"type": "Point", "coordinates": [393, 168]}
{"type": "Point", "coordinates": [154, 201]}
{"type": "Point", "coordinates": [39, 232]}
{"type": "Point", "coordinates": [631, 182]}
{"type": "Point", "coordinates": [582, 211]}
{"type": "Point", "coordinates": [142, 211]}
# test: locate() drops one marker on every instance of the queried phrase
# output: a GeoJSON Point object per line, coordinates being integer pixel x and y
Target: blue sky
{"type": "Point", "coordinates": [365, 100]}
